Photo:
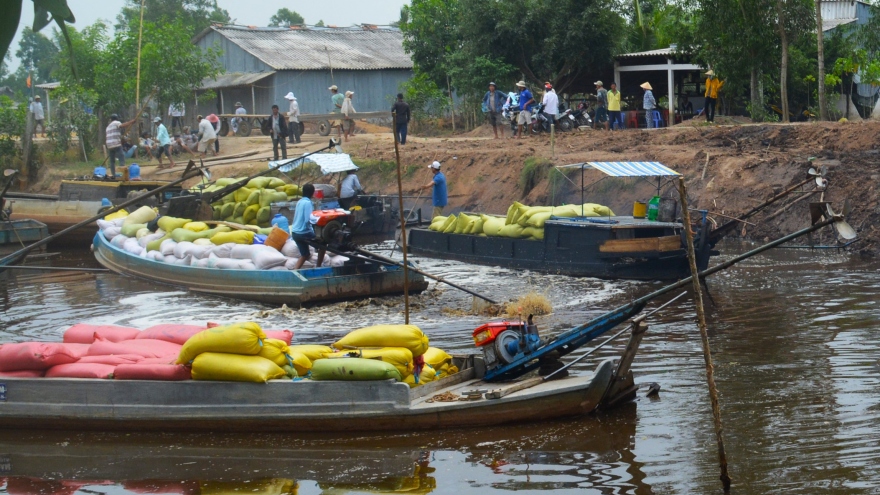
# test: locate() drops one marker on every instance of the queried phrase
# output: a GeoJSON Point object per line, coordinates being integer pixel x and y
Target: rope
{"type": "Point", "coordinates": [406, 220]}
{"type": "Point", "coordinates": [444, 397]}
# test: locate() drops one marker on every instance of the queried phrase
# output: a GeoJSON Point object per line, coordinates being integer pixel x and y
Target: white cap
{"type": "Point", "coordinates": [333, 87]}
{"type": "Point", "coordinates": [435, 165]}
{"type": "Point", "coordinates": [289, 96]}
{"type": "Point", "coordinates": [157, 120]}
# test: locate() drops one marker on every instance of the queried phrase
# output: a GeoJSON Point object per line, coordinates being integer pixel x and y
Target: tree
{"type": "Point", "coordinates": [286, 17]}
{"type": "Point", "coordinates": [430, 35]}
{"type": "Point", "coordinates": [37, 54]}
{"type": "Point", "coordinates": [820, 44]}
{"type": "Point", "coordinates": [196, 15]}
{"type": "Point", "coordinates": [320, 23]}
{"type": "Point", "coordinates": [88, 47]}
{"type": "Point", "coordinates": [793, 18]}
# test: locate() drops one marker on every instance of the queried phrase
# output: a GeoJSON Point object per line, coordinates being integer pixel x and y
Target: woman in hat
{"type": "Point", "coordinates": [649, 103]}
{"type": "Point", "coordinates": [713, 85]}
{"type": "Point", "coordinates": [348, 112]}
{"type": "Point", "coordinates": [293, 119]}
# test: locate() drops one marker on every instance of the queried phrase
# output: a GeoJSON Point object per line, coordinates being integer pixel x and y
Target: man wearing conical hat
{"type": "Point", "coordinates": [713, 85]}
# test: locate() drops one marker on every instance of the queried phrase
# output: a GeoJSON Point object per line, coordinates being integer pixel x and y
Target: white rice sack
{"type": "Point", "coordinates": [112, 232]}
{"type": "Point", "coordinates": [170, 259]}
{"type": "Point", "coordinates": [278, 268]}
{"type": "Point", "coordinates": [244, 251]}
{"type": "Point", "coordinates": [167, 247]}
{"type": "Point", "coordinates": [142, 233]}
{"type": "Point", "coordinates": [118, 222]}
{"type": "Point", "coordinates": [290, 250]}
{"type": "Point", "coordinates": [231, 264]}
{"type": "Point", "coordinates": [196, 251]}
{"type": "Point", "coordinates": [143, 241]}
{"type": "Point", "coordinates": [223, 250]}
{"type": "Point", "coordinates": [143, 253]}
{"type": "Point", "coordinates": [267, 257]}
{"type": "Point", "coordinates": [155, 256]}
{"type": "Point", "coordinates": [119, 240]}
{"type": "Point", "coordinates": [131, 245]}
{"type": "Point", "coordinates": [203, 242]}
{"type": "Point", "coordinates": [105, 224]}
{"type": "Point", "coordinates": [185, 261]}
{"type": "Point", "coordinates": [201, 263]}
{"type": "Point", "coordinates": [247, 264]}
{"type": "Point", "coordinates": [180, 250]}
{"type": "Point", "coordinates": [290, 264]}
{"type": "Point", "coordinates": [338, 261]}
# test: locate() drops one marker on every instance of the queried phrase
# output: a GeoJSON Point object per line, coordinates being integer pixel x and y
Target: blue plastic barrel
{"type": "Point", "coordinates": [281, 222]}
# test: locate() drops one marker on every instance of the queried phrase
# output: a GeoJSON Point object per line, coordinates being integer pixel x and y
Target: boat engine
{"type": "Point", "coordinates": [502, 341]}
{"type": "Point", "coordinates": [332, 227]}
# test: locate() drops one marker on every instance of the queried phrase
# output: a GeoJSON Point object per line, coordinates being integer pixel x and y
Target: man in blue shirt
{"type": "Point", "coordinates": [302, 227]}
{"type": "Point", "coordinates": [438, 182]}
{"type": "Point", "coordinates": [526, 103]}
{"type": "Point", "coordinates": [164, 142]}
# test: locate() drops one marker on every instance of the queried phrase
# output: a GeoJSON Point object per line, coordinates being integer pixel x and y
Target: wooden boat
{"type": "Point", "coordinates": [78, 200]}
{"type": "Point", "coordinates": [294, 288]}
{"type": "Point", "coordinates": [14, 233]}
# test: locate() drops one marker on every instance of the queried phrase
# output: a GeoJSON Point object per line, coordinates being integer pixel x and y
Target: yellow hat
{"type": "Point", "coordinates": [646, 85]}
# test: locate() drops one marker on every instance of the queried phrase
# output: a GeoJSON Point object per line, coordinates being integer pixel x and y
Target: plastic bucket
{"type": "Point", "coordinates": [277, 237]}
{"type": "Point", "coordinates": [640, 209]}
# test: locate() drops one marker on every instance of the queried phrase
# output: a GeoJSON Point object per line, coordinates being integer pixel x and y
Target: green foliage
{"type": "Point", "coordinates": [88, 46]}
{"type": "Point", "coordinates": [74, 113]}
{"type": "Point", "coordinates": [426, 100]}
{"type": "Point", "coordinates": [44, 11]}
{"type": "Point", "coordinates": [286, 17]}
{"type": "Point", "coordinates": [38, 54]}
{"type": "Point", "coordinates": [431, 35]}
{"type": "Point", "coordinates": [193, 15]}
{"type": "Point", "coordinates": [533, 172]}
{"type": "Point", "coordinates": [12, 126]}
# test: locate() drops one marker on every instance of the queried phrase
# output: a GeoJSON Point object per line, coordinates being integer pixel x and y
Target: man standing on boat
{"type": "Point", "coordinates": [349, 189]}
{"type": "Point", "coordinates": [302, 228]}
{"type": "Point", "coordinates": [114, 142]}
{"type": "Point", "coordinates": [438, 182]}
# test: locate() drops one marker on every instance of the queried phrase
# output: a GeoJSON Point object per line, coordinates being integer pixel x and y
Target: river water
{"type": "Point", "coordinates": [795, 342]}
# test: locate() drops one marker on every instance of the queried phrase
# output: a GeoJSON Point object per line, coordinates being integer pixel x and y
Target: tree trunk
{"type": "Point", "coordinates": [783, 72]}
{"type": "Point", "coordinates": [755, 100]}
{"type": "Point", "coordinates": [820, 45]}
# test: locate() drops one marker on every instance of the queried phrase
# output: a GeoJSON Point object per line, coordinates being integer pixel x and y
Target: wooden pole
{"type": "Point", "coordinates": [402, 224]}
{"type": "Point", "coordinates": [451, 102]}
{"type": "Point", "coordinates": [704, 336]}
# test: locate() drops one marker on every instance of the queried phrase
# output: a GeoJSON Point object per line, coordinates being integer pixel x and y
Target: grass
{"type": "Point", "coordinates": [533, 172]}
{"type": "Point", "coordinates": [529, 304]}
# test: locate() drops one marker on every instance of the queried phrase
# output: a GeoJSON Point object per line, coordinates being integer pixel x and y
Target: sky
{"type": "Point", "coordinates": [246, 12]}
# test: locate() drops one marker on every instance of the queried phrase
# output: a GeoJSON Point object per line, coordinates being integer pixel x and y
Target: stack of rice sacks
{"type": "Point", "coordinates": [180, 241]}
{"type": "Point", "coordinates": [250, 205]}
{"type": "Point", "coordinates": [522, 222]}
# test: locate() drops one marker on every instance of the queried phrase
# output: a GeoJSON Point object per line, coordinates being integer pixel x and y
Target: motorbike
{"type": "Point", "coordinates": [582, 115]}
{"type": "Point", "coordinates": [565, 121]}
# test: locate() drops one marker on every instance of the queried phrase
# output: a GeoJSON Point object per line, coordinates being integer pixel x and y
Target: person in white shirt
{"type": "Point", "coordinates": [551, 102]}
{"type": "Point", "coordinates": [176, 111]}
{"type": "Point", "coordinates": [36, 108]}
{"type": "Point", "coordinates": [349, 189]}
{"type": "Point", "coordinates": [293, 119]}
{"type": "Point", "coordinates": [207, 136]}
{"type": "Point", "coordinates": [239, 110]}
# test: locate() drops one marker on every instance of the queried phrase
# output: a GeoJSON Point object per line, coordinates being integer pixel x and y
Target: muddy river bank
{"type": "Point", "coordinates": [795, 337]}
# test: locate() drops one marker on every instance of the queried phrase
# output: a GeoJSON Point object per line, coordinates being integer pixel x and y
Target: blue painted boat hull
{"type": "Point", "coordinates": [291, 287]}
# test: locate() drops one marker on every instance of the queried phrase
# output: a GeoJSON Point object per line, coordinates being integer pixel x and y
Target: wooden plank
{"type": "Point", "coordinates": [516, 387]}
{"type": "Point", "coordinates": [226, 157]}
{"type": "Point", "coordinates": [666, 243]}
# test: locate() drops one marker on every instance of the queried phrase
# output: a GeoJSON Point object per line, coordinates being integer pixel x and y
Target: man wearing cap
{"type": "Point", "coordinates": [526, 103]}
{"type": "Point", "coordinates": [550, 102]}
{"type": "Point", "coordinates": [493, 101]}
{"type": "Point", "coordinates": [400, 113]}
{"type": "Point", "coordinates": [114, 142]}
{"type": "Point", "coordinates": [278, 130]}
{"type": "Point", "coordinates": [438, 182]}
{"type": "Point", "coordinates": [207, 136]}
{"type": "Point", "coordinates": [164, 143]}
{"type": "Point", "coordinates": [601, 106]}
{"type": "Point", "coordinates": [713, 85]}
{"type": "Point", "coordinates": [348, 112]}
{"type": "Point", "coordinates": [649, 104]}
{"type": "Point", "coordinates": [337, 100]}
{"type": "Point", "coordinates": [239, 110]}
{"type": "Point", "coordinates": [176, 112]}
{"type": "Point", "coordinates": [293, 127]}
{"type": "Point", "coordinates": [36, 108]}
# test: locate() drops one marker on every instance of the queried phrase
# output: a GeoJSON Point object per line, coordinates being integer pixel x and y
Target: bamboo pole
{"type": "Point", "coordinates": [137, 91]}
{"type": "Point", "coordinates": [402, 224]}
{"type": "Point", "coordinates": [704, 336]}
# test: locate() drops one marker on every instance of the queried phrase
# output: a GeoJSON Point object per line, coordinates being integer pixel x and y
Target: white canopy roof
{"type": "Point", "coordinates": [330, 163]}
{"type": "Point", "coordinates": [627, 169]}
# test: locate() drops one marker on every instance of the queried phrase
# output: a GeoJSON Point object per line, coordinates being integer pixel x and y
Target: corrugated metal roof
{"type": "Point", "coordinates": [664, 52]}
{"type": "Point", "coordinates": [306, 48]}
{"type": "Point", "coordinates": [234, 79]}
{"type": "Point", "coordinates": [829, 24]}
{"type": "Point", "coordinates": [627, 169]}
{"type": "Point", "coordinates": [49, 85]}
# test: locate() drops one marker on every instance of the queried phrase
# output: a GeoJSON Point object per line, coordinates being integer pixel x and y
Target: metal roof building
{"type": "Point", "coordinates": [264, 64]}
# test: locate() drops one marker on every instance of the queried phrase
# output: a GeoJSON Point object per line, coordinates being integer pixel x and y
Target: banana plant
{"type": "Point", "coordinates": [45, 11]}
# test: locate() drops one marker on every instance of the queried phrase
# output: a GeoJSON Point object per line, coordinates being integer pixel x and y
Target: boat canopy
{"type": "Point", "coordinates": [627, 169]}
{"type": "Point", "coordinates": [330, 163]}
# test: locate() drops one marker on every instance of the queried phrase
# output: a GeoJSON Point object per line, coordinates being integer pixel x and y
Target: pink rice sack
{"type": "Point", "coordinates": [36, 355]}
{"type": "Point", "coordinates": [148, 348]}
{"type": "Point", "coordinates": [81, 370]}
{"type": "Point", "coordinates": [113, 359]}
{"type": "Point", "coordinates": [22, 374]}
{"type": "Point", "coordinates": [84, 333]}
{"type": "Point", "coordinates": [170, 332]}
{"type": "Point", "coordinates": [164, 372]}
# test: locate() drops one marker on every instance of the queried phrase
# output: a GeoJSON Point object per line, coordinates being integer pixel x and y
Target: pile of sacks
{"type": "Point", "coordinates": [522, 222]}
{"type": "Point", "coordinates": [250, 205]}
{"type": "Point", "coordinates": [113, 352]}
{"type": "Point", "coordinates": [241, 352]}
{"type": "Point", "coordinates": [180, 241]}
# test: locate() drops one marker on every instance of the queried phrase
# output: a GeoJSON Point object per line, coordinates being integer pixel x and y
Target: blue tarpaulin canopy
{"type": "Point", "coordinates": [627, 169]}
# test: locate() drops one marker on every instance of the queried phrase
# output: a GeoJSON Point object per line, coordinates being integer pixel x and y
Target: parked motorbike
{"type": "Point", "coordinates": [565, 121]}
{"type": "Point", "coordinates": [582, 115]}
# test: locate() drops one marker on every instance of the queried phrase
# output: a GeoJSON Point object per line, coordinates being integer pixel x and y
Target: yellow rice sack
{"type": "Point", "coordinates": [253, 198]}
{"type": "Point", "coordinates": [168, 224]}
{"type": "Point", "coordinates": [181, 234]}
{"type": "Point", "coordinates": [312, 351]}
{"type": "Point", "coordinates": [196, 226]}
{"type": "Point", "coordinates": [271, 486]}
{"type": "Point", "coordinates": [275, 350]}
{"type": "Point", "coordinates": [131, 229]}
{"type": "Point", "coordinates": [436, 357]}
{"type": "Point", "coordinates": [250, 213]}
{"type": "Point", "coordinates": [268, 197]}
{"type": "Point", "coordinates": [512, 213]}
{"type": "Point", "coordinates": [292, 190]}
{"type": "Point", "coordinates": [492, 225]}
{"type": "Point", "coordinates": [235, 368]}
{"type": "Point", "coordinates": [144, 214]}
{"type": "Point", "coordinates": [154, 244]}
{"type": "Point", "coordinates": [259, 182]}
{"type": "Point", "coordinates": [238, 237]}
{"type": "Point", "coordinates": [408, 336]}
{"type": "Point", "coordinates": [227, 210]}
{"type": "Point", "coordinates": [513, 231]}
{"type": "Point", "coordinates": [437, 223]}
{"type": "Point", "coordinates": [215, 215]}
{"type": "Point", "coordinates": [450, 224]}
{"type": "Point", "coordinates": [264, 215]}
{"type": "Point", "coordinates": [533, 233]}
{"type": "Point", "coordinates": [399, 357]}
{"type": "Point", "coordinates": [301, 363]}
{"type": "Point", "coordinates": [142, 233]}
{"type": "Point", "coordinates": [476, 226]}
{"type": "Point", "coordinates": [241, 195]}
{"type": "Point", "coordinates": [538, 219]}
{"type": "Point", "coordinates": [238, 210]}
{"type": "Point", "coordinates": [275, 182]}
{"type": "Point", "coordinates": [119, 214]}
{"type": "Point", "coordinates": [427, 375]}
{"type": "Point", "coordinates": [523, 219]}
{"type": "Point", "coordinates": [463, 223]}
{"type": "Point", "coordinates": [238, 338]}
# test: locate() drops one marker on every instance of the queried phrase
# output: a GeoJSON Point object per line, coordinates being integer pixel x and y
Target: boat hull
{"type": "Point", "coordinates": [567, 249]}
{"type": "Point", "coordinates": [294, 288]}
{"type": "Point", "coordinates": [280, 405]}
{"type": "Point", "coordinates": [59, 215]}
